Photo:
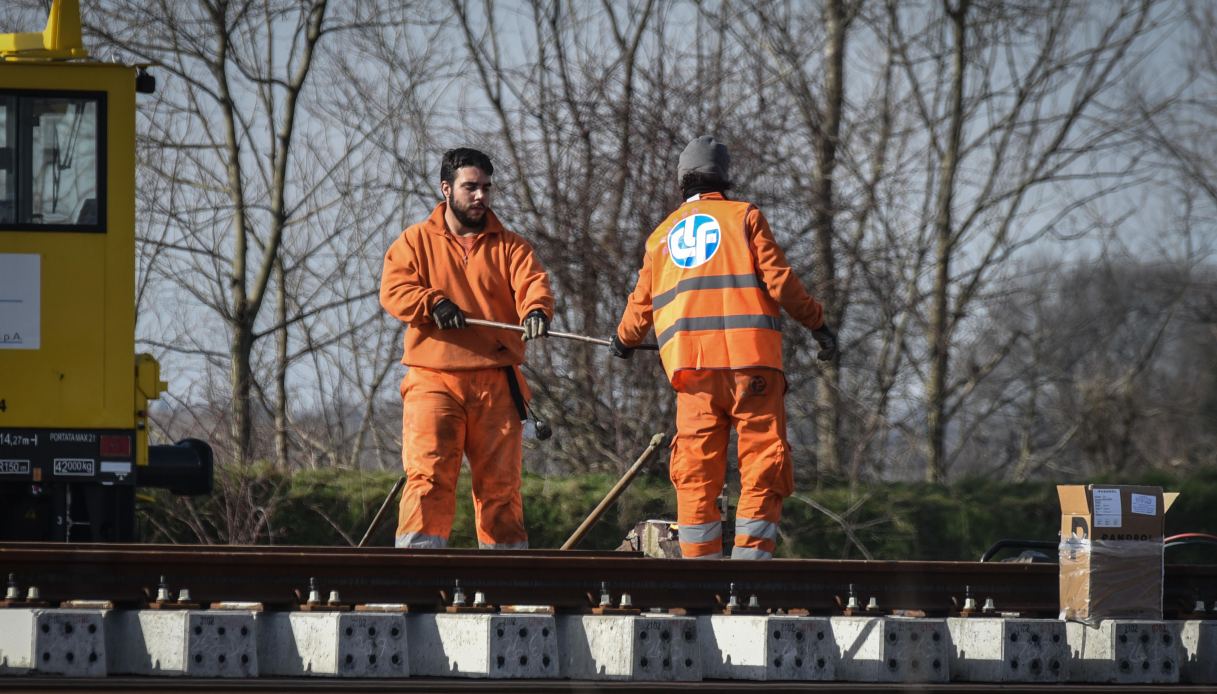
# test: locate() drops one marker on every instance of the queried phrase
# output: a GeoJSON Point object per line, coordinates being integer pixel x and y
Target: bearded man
{"type": "Point", "coordinates": [463, 393]}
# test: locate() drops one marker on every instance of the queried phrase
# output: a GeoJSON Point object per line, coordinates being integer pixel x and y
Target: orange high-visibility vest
{"type": "Point", "coordinates": [711, 309]}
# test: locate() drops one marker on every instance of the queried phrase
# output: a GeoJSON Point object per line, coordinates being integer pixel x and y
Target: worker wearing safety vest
{"type": "Point", "coordinates": [463, 394]}
{"type": "Point", "coordinates": [712, 281]}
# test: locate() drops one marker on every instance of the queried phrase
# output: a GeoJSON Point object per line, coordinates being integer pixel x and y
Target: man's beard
{"type": "Point", "coordinates": [462, 216]}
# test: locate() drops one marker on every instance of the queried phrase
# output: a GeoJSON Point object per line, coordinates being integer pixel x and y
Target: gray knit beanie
{"type": "Point", "coordinates": [704, 155]}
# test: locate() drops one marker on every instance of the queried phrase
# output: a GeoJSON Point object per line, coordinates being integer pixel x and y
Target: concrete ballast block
{"type": "Point", "coordinates": [343, 644]}
{"type": "Point", "coordinates": [985, 649]}
{"type": "Point", "coordinates": [68, 642]}
{"type": "Point", "coordinates": [630, 647]}
{"type": "Point", "coordinates": [483, 645]}
{"type": "Point", "coordinates": [195, 643]}
{"type": "Point", "coordinates": [1198, 639]}
{"type": "Point", "coordinates": [891, 649]}
{"type": "Point", "coordinates": [1124, 652]}
{"type": "Point", "coordinates": [761, 647]}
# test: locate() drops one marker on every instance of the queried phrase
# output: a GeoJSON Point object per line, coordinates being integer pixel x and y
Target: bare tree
{"type": "Point", "coordinates": [261, 229]}
{"type": "Point", "coordinates": [1008, 127]}
{"type": "Point", "coordinates": [816, 89]}
{"type": "Point", "coordinates": [238, 98]}
{"type": "Point", "coordinates": [911, 158]}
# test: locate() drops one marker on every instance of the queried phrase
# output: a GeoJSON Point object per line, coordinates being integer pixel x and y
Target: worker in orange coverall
{"type": "Point", "coordinates": [712, 281]}
{"type": "Point", "coordinates": [463, 393]}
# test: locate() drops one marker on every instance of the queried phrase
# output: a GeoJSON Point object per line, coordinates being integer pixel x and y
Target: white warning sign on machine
{"type": "Point", "coordinates": [20, 301]}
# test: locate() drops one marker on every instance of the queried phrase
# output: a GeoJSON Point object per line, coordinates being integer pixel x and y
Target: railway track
{"type": "Point", "coordinates": [278, 577]}
{"type": "Point", "coordinates": [566, 584]}
{"type": "Point", "coordinates": [463, 686]}
{"type": "Point", "coordinates": [141, 684]}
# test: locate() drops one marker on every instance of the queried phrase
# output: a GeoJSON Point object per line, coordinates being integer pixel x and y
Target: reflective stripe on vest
{"type": "Point", "coordinates": [711, 309]}
{"type": "Point", "coordinates": [719, 323]}
{"type": "Point", "coordinates": [708, 282]}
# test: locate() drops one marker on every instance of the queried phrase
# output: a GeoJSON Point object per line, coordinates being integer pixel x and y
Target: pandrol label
{"type": "Point", "coordinates": [74, 467]}
{"type": "Point", "coordinates": [14, 467]}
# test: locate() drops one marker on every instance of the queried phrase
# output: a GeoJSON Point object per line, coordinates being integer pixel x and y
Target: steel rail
{"type": "Point", "coordinates": [277, 576]}
{"type": "Point", "coordinates": [427, 684]}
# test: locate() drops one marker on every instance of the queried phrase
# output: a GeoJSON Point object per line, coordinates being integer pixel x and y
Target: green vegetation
{"type": "Point", "coordinates": [889, 520]}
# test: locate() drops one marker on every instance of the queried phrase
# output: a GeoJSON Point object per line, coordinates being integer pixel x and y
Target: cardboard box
{"type": "Point", "coordinates": [1111, 551]}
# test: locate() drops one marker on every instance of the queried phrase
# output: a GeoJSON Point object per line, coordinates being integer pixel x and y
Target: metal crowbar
{"type": "Point", "coordinates": [552, 333]}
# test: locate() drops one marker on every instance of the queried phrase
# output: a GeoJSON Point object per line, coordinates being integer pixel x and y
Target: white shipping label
{"type": "Point", "coordinates": [1145, 504]}
{"type": "Point", "coordinates": [1107, 508]}
{"type": "Point", "coordinates": [20, 301]}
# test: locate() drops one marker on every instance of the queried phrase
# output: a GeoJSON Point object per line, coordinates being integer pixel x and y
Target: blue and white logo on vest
{"type": "Point", "coordinates": [694, 240]}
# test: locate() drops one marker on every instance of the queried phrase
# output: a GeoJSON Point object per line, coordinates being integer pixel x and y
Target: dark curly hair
{"type": "Point", "coordinates": [697, 182]}
{"type": "Point", "coordinates": [461, 157]}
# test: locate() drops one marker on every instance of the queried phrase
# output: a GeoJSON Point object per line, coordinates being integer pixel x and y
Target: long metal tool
{"type": "Point", "coordinates": [552, 333]}
{"type": "Point", "coordinates": [380, 513]}
{"type": "Point", "coordinates": [656, 441]}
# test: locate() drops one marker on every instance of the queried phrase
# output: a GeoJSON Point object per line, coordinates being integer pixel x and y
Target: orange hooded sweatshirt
{"type": "Point", "coordinates": [500, 279]}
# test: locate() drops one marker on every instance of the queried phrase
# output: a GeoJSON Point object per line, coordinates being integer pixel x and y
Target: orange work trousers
{"type": "Point", "coordinates": [447, 415]}
{"type": "Point", "coordinates": [708, 403]}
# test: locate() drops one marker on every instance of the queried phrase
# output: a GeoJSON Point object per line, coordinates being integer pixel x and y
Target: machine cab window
{"type": "Point", "coordinates": [51, 161]}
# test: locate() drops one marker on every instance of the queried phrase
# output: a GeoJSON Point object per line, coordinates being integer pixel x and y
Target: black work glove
{"type": "Point", "coordinates": [827, 340]}
{"type": "Point", "coordinates": [618, 349]}
{"type": "Point", "coordinates": [535, 324]}
{"type": "Point", "coordinates": [447, 315]}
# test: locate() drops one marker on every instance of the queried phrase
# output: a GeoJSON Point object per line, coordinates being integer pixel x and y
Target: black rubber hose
{"type": "Point", "coordinates": [1019, 544]}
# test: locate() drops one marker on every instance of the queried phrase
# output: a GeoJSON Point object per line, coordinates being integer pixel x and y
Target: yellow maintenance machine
{"type": "Point", "coordinates": [73, 392]}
